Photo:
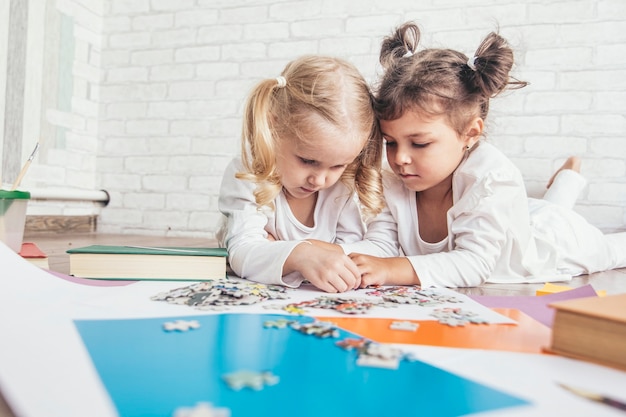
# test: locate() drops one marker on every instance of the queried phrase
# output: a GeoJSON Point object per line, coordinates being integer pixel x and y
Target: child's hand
{"type": "Point", "coordinates": [384, 271]}
{"type": "Point", "coordinates": [329, 270]}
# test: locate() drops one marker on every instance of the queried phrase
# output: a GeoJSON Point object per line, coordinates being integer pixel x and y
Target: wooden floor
{"type": "Point", "coordinates": [613, 282]}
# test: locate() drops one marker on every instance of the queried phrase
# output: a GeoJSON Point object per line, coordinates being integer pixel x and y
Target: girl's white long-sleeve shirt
{"type": "Point", "coordinates": [495, 232]}
{"type": "Point", "coordinates": [245, 227]}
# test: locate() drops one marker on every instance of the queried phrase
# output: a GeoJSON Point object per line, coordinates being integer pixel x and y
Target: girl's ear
{"type": "Point", "coordinates": [474, 131]}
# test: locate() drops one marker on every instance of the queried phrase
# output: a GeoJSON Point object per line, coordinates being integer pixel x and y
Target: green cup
{"type": "Point", "coordinates": [13, 217]}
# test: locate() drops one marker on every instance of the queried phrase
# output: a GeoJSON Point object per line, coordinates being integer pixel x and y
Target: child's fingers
{"type": "Point", "coordinates": [355, 274]}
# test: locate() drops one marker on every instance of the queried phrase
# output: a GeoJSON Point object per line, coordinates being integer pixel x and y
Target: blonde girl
{"type": "Point", "coordinates": [309, 164]}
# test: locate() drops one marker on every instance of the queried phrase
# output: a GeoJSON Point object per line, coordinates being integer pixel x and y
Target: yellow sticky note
{"type": "Point", "coordinates": [550, 288]}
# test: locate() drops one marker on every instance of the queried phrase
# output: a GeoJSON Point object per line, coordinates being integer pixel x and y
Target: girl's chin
{"type": "Point", "coordinates": [412, 183]}
{"type": "Point", "coordinates": [299, 193]}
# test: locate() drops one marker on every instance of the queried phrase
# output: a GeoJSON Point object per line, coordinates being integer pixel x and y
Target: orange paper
{"type": "Point", "coordinates": [528, 335]}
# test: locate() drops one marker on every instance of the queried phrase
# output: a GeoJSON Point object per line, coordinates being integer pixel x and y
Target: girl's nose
{"type": "Point", "coordinates": [317, 179]}
{"type": "Point", "coordinates": [401, 157]}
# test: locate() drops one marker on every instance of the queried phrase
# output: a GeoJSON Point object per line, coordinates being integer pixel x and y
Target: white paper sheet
{"type": "Point", "coordinates": [45, 371]}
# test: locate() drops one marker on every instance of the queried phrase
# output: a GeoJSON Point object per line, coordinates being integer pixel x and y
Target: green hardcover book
{"type": "Point", "coordinates": [148, 263]}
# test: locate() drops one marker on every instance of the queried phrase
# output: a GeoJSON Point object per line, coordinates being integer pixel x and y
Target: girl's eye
{"type": "Point", "coordinates": [419, 145]}
{"type": "Point", "coordinates": [307, 161]}
{"type": "Point", "coordinates": [389, 144]}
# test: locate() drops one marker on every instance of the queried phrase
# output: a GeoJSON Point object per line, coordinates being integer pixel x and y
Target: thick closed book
{"type": "Point", "coordinates": [591, 328]}
{"type": "Point", "coordinates": [148, 263]}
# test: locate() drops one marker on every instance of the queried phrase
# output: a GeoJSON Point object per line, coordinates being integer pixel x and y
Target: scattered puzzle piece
{"type": "Point", "coordinates": [250, 379]}
{"type": "Point", "coordinates": [202, 409]}
{"type": "Point", "coordinates": [180, 325]}
{"type": "Point", "coordinates": [350, 343]}
{"type": "Point", "coordinates": [320, 329]}
{"type": "Point", "coordinates": [378, 362]}
{"type": "Point", "coordinates": [292, 309]}
{"type": "Point", "coordinates": [277, 324]}
{"type": "Point", "coordinates": [408, 326]}
{"type": "Point", "coordinates": [382, 351]}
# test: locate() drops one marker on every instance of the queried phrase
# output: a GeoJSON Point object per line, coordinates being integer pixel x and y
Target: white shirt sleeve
{"type": "Point", "coordinates": [250, 254]}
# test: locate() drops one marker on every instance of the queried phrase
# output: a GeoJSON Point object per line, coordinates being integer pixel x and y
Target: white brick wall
{"type": "Point", "coordinates": [173, 76]}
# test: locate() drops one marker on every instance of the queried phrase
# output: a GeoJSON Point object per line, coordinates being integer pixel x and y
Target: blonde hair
{"type": "Point", "coordinates": [281, 109]}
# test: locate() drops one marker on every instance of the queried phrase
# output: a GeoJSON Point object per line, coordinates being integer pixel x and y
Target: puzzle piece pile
{"type": "Point", "coordinates": [221, 293]}
{"type": "Point", "coordinates": [457, 317]}
{"type": "Point", "coordinates": [412, 295]}
{"type": "Point", "coordinates": [345, 305]}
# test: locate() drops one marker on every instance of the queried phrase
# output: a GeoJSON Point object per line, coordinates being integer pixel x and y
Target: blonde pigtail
{"type": "Point", "coordinates": [258, 144]}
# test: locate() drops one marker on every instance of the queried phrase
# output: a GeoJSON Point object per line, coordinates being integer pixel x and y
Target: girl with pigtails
{"type": "Point", "coordinates": [310, 160]}
{"type": "Point", "coordinates": [457, 210]}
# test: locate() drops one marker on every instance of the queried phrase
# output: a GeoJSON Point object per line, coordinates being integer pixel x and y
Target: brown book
{"type": "Point", "coordinates": [148, 263]}
{"type": "Point", "coordinates": [592, 329]}
{"type": "Point", "coordinates": [34, 255]}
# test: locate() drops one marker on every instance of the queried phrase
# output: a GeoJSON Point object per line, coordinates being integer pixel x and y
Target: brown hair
{"type": "Point", "coordinates": [441, 81]}
{"type": "Point", "coordinates": [281, 109]}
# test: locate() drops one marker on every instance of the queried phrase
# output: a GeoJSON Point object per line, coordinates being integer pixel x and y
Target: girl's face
{"type": "Point", "coordinates": [308, 166]}
{"type": "Point", "coordinates": [423, 150]}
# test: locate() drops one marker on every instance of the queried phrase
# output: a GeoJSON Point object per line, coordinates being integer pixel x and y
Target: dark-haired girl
{"type": "Point", "coordinates": [457, 211]}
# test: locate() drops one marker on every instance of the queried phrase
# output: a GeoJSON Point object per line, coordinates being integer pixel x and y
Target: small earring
{"type": "Point", "coordinates": [468, 147]}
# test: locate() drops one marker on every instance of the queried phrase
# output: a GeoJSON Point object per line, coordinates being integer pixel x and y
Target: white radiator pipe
{"type": "Point", "coordinates": [100, 196]}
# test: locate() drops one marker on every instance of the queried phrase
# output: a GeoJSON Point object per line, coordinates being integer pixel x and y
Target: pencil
{"type": "Point", "coordinates": [18, 180]}
{"type": "Point", "coordinates": [620, 405]}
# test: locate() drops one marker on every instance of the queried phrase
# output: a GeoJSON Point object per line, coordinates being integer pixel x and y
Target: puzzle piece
{"type": "Point", "coordinates": [378, 362]}
{"type": "Point", "coordinates": [382, 351]}
{"type": "Point", "coordinates": [292, 309]}
{"type": "Point", "coordinates": [277, 324]}
{"type": "Point", "coordinates": [350, 343]}
{"type": "Point", "coordinates": [320, 329]}
{"type": "Point", "coordinates": [202, 409]}
{"type": "Point", "coordinates": [250, 379]}
{"type": "Point", "coordinates": [408, 326]}
{"type": "Point", "coordinates": [181, 325]}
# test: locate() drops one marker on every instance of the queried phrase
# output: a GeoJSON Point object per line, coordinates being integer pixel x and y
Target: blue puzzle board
{"type": "Point", "coordinates": [148, 371]}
